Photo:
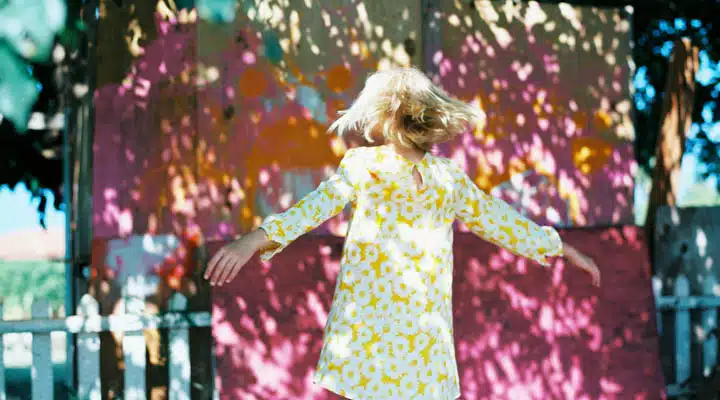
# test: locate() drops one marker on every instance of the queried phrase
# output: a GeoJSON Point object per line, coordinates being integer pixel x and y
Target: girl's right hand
{"type": "Point", "coordinates": [227, 262]}
{"type": "Point", "coordinates": [583, 262]}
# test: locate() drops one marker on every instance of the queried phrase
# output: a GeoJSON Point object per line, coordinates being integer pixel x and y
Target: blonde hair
{"type": "Point", "coordinates": [409, 109]}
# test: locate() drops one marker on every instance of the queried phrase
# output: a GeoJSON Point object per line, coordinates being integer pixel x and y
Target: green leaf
{"type": "Point", "coordinates": [80, 25]}
{"type": "Point", "coordinates": [34, 186]}
{"type": "Point", "coordinates": [18, 90]}
{"type": "Point", "coordinates": [69, 38]}
{"type": "Point", "coordinates": [29, 26]}
{"type": "Point", "coordinates": [185, 4]}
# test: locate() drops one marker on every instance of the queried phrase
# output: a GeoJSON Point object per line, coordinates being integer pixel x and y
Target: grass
{"type": "Point", "coordinates": [23, 281]}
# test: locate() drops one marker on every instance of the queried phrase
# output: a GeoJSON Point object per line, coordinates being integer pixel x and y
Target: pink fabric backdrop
{"type": "Point", "coordinates": [521, 331]}
{"type": "Point", "coordinates": [218, 126]}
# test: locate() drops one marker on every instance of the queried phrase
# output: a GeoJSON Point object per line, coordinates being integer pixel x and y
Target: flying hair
{"type": "Point", "coordinates": [406, 106]}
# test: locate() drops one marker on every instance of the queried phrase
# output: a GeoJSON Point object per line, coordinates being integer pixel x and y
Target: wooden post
{"type": "Point", "coordinates": [134, 351]}
{"type": "Point", "coordinates": [42, 371]}
{"type": "Point", "coordinates": [79, 68]}
{"type": "Point", "coordinates": [676, 119]}
{"type": "Point", "coordinates": [3, 396]}
{"type": "Point", "coordinates": [709, 324]}
{"type": "Point", "coordinates": [215, 380]}
{"type": "Point", "coordinates": [683, 332]}
{"type": "Point", "coordinates": [88, 347]}
{"type": "Point", "coordinates": [179, 370]}
{"type": "Point", "coordinates": [657, 291]}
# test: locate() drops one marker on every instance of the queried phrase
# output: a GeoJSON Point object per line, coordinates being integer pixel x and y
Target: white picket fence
{"type": "Point", "coordinates": [88, 323]}
{"type": "Point", "coordinates": [683, 305]}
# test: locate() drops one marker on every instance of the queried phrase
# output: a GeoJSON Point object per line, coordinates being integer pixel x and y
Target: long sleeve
{"type": "Point", "coordinates": [326, 201]}
{"type": "Point", "coordinates": [497, 222]}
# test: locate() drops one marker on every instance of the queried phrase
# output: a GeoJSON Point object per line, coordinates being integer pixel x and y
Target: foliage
{"type": "Point", "coordinates": [27, 32]}
{"type": "Point", "coordinates": [656, 28]}
{"type": "Point", "coordinates": [23, 280]}
{"type": "Point", "coordinates": [35, 37]}
{"type": "Point", "coordinates": [709, 155]}
{"type": "Point", "coordinates": [18, 89]}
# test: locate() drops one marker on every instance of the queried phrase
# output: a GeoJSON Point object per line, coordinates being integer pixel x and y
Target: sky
{"type": "Point", "coordinates": [19, 212]}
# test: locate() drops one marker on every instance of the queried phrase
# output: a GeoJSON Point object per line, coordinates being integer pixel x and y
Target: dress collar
{"type": "Point", "coordinates": [404, 159]}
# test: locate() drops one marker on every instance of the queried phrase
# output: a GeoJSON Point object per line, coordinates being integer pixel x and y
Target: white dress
{"type": "Point", "coordinates": [389, 333]}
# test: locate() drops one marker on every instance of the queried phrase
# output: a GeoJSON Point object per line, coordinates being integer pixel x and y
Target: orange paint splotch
{"type": "Point", "coordinates": [487, 176]}
{"type": "Point", "coordinates": [253, 83]}
{"type": "Point", "coordinates": [516, 166]}
{"type": "Point", "coordinates": [292, 142]}
{"type": "Point", "coordinates": [339, 78]}
{"type": "Point", "coordinates": [571, 196]}
{"type": "Point", "coordinates": [603, 120]}
{"type": "Point", "coordinates": [333, 106]}
{"type": "Point", "coordinates": [580, 119]}
{"type": "Point", "coordinates": [494, 128]}
{"type": "Point", "coordinates": [246, 212]}
{"type": "Point", "coordinates": [370, 64]}
{"type": "Point", "coordinates": [590, 154]}
{"type": "Point", "coordinates": [295, 71]}
{"type": "Point", "coordinates": [480, 134]}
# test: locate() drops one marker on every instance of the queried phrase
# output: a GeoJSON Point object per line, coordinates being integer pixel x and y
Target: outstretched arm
{"type": "Point", "coordinates": [228, 261]}
{"type": "Point", "coordinates": [583, 262]}
{"type": "Point", "coordinates": [497, 222]}
{"type": "Point", "coordinates": [279, 230]}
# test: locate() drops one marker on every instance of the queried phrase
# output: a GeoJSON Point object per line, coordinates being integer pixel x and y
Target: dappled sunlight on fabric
{"type": "Point", "coordinates": [521, 99]}
{"type": "Point", "coordinates": [221, 127]}
{"type": "Point", "coordinates": [549, 328]}
{"type": "Point", "coordinates": [267, 340]}
{"type": "Point", "coordinates": [518, 327]}
{"type": "Point", "coordinates": [250, 69]}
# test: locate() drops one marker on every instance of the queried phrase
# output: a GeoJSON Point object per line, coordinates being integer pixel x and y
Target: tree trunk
{"type": "Point", "coordinates": [676, 118]}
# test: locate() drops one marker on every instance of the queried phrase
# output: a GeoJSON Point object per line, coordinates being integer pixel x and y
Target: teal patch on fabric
{"type": "Point", "coordinates": [218, 11]}
{"type": "Point", "coordinates": [273, 51]}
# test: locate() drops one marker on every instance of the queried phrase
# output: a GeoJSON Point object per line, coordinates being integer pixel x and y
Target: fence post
{"type": "Point", "coordinates": [133, 345]}
{"type": "Point", "coordinates": [215, 386]}
{"type": "Point", "coordinates": [683, 331]}
{"type": "Point", "coordinates": [709, 321]}
{"type": "Point", "coordinates": [88, 348]}
{"type": "Point", "coordinates": [657, 291]}
{"type": "Point", "coordinates": [179, 369]}
{"type": "Point", "coordinates": [42, 371]}
{"type": "Point", "coordinates": [2, 360]}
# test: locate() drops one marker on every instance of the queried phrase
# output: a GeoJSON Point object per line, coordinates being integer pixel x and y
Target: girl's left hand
{"type": "Point", "coordinates": [227, 262]}
{"type": "Point", "coordinates": [583, 262]}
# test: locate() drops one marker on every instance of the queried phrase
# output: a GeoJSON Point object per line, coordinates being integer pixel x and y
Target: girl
{"type": "Point", "coordinates": [389, 333]}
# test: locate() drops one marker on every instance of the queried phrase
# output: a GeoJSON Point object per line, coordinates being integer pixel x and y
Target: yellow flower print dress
{"type": "Point", "coordinates": [389, 333]}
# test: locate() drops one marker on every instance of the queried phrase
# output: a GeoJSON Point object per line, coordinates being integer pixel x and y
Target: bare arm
{"type": "Point", "coordinates": [498, 223]}
{"type": "Point", "coordinates": [228, 261]}
{"type": "Point", "coordinates": [583, 262]}
{"type": "Point", "coordinates": [279, 230]}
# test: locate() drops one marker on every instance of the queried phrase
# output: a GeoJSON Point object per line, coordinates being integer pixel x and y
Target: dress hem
{"type": "Point", "coordinates": [334, 388]}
